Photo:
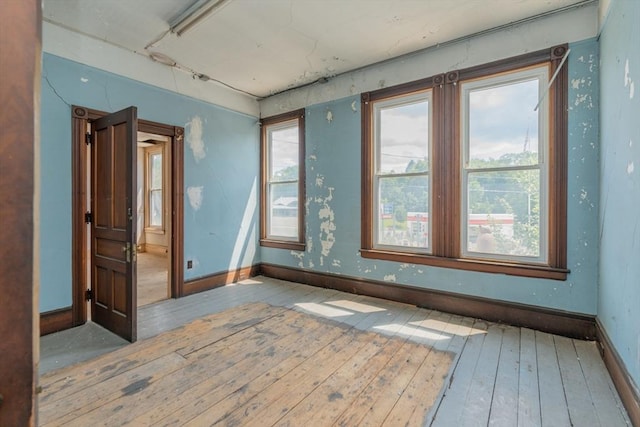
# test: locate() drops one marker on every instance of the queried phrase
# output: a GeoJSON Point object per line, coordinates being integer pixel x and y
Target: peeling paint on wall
{"type": "Point", "coordinates": [84, 79]}
{"type": "Point", "coordinates": [354, 107]}
{"type": "Point", "coordinates": [329, 116]}
{"type": "Point", "coordinates": [390, 278]}
{"type": "Point", "coordinates": [194, 138]}
{"type": "Point", "coordinates": [195, 197]}
{"type": "Point", "coordinates": [319, 180]}
{"type": "Point", "coordinates": [327, 226]}
{"type": "Point", "coordinates": [630, 168]}
{"type": "Point", "coordinates": [627, 80]}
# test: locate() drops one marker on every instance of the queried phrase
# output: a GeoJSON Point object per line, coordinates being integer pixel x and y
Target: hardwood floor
{"type": "Point", "coordinates": [268, 352]}
{"type": "Point", "coordinates": [152, 278]}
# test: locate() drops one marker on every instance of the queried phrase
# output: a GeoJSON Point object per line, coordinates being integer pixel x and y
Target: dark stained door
{"type": "Point", "coordinates": [113, 207]}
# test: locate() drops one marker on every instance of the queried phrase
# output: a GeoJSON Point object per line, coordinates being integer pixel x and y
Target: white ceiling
{"type": "Point", "coordinates": [263, 47]}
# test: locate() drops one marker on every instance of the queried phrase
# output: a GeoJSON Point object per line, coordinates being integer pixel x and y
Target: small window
{"type": "Point", "coordinates": [154, 183]}
{"type": "Point", "coordinates": [282, 195]}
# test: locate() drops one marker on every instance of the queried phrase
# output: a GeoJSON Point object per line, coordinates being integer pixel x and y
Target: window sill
{"type": "Point", "coordinates": [154, 230]}
{"type": "Point", "coordinates": [497, 267]}
{"type": "Point", "coordinates": [283, 244]}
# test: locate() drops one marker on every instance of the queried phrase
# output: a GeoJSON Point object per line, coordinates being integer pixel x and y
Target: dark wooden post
{"type": "Point", "coordinates": [20, 64]}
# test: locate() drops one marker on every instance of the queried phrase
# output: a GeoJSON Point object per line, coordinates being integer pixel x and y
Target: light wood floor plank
{"type": "Point", "coordinates": [553, 404]}
{"type": "Point", "coordinates": [450, 408]}
{"type": "Point", "coordinates": [504, 405]}
{"type": "Point", "coordinates": [601, 389]}
{"type": "Point", "coordinates": [581, 409]}
{"type": "Point", "coordinates": [479, 396]}
{"type": "Point", "coordinates": [528, 391]}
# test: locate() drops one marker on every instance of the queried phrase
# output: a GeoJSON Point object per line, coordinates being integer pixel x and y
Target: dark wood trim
{"type": "Point", "coordinates": [282, 244]}
{"type": "Point", "coordinates": [266, 241]}
{"type": "Point", "coordinates": [222, 278]}
{"type": "Point", "coordinates": [558, 159]}
{"type": "Point", "coordinates": [552, 321]}
{"type": "Point", "coordinates": [366, 181]}
{"type": "Point", "coordinates": [56, 320]}
{"type": "Point", "coordinates": [177, 213]}
{"type": "Point", "coordinates": [496, 267]}
{"type": "Point", "coordinates": [20, 68]}
{"type": "Point", "coordinates": [438, 170]}
{"type": "Point", "coordinates": [80, 118]}
{"type": "Point", "coordinates": [627, 389]}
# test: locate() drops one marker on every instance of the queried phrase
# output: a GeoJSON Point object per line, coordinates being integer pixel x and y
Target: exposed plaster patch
{"type": "Point", "coordinates": [194, 138]}
{"type": "Point", "coordinates": [84, 79]}
{"type": "Point", "coordinates": [354, 107]}
{"type": "Point", "coordinates": [627, 80]}
{"type": "Point", "coordinates": [327, 225]}
{"type": "Point", "coordinates": [329, 116]}
{"type": "Point", "coordinates": [195, 197]}
{"type": "Point", "coordinates": [630, 168]}
{"type": "Point", "coordinates": [390, 278]}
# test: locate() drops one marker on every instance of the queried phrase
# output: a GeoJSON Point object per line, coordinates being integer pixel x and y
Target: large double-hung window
{"type": "Point", "coordinates": [282, 181]}
{"type": "Point", "coordinates": [468, 169]}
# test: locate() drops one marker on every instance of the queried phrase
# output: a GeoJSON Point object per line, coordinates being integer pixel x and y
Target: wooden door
{"type": "Point", "coordinates": [113, 222]}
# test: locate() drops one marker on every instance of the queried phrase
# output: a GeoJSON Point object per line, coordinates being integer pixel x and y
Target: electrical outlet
{"type": "Point", "coordinates": [190, 264]}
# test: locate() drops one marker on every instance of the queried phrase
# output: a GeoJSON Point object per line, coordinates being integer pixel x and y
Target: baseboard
{"type": "Point", "coordinates": [219, 279]}
{"type": "Point", "coordinates": [627, 389]}
{"type": "Point", "coordinates": [552, 321]}
{"type": "Point", "coordinates": [56, 320]}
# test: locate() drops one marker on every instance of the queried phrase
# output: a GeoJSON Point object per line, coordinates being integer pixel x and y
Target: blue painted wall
{"type": "Point", "coordinates": [220, 230]}
{"type": "Point", "coordinates": [333, 206]}
{"type": "Point", "coordinates": [619, 293]}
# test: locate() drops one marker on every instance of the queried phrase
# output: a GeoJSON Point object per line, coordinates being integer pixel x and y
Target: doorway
{"type": "Point", "coordinates": [153, 229]}
{"type": "Point", "coordinates": [162, 230]}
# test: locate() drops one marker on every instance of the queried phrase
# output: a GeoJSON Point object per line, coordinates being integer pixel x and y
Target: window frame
{"type": "Point", "coordinates": [379, 175]}
{"type": "Point", "coordinates": [148, 153]}
{"type": "Point", "coordinates": [297, 243]}
{"type": "Point", "coordinates": [446, 151]}
{"type": "Point", "coordinates": [538, 72]}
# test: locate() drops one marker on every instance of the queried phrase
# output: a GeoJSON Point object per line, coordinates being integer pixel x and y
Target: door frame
{"type": "Point", "coordinates": [81, 117]}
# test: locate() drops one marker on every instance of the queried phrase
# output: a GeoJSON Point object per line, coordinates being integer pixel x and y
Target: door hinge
{"type": "Point", "coordinates": [88, 217]}
{"type": "Point", "coordinates": [87, 138]}
{"type": "Point", "coordinates": [88, 295]}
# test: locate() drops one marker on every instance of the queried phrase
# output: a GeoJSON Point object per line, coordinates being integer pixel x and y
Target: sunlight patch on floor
{"type": "Point", "coordinates": [356, 306]}
{"type": "Point", "coordinates": [323, 310]}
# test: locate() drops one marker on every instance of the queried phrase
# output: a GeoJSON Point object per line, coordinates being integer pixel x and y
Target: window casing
{"type": "Point", "coordinates": [497, 168]}
{"type": "Point", "coordinates": [282, 181]}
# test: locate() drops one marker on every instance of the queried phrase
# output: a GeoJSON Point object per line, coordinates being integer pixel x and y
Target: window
{"type": "Point", "coordinates": [154, 200]}
{"type": "Point", "coordinates": [468, 169]}
{"type": "Point", "coordinates": [282, 195]}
